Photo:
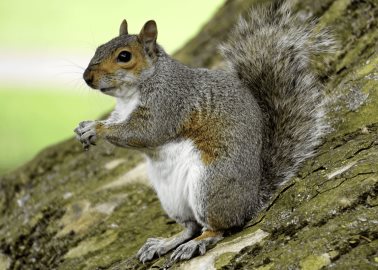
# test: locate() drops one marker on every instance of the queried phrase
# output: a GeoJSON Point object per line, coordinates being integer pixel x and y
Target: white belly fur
{"type": "Point", "coordinates": [175, 170]}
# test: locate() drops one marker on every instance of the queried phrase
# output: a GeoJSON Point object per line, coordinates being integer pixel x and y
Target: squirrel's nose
{"type": "Point", "coordinates": [88, 77]}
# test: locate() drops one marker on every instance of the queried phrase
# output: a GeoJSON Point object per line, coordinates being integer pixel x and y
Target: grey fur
{"type": "Point", "coordinates": [269, 104]}
{"type": "Point", "coordinates": [270, 53]}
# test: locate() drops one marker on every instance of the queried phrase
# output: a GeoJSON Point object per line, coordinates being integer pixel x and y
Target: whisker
{"type": "Point", "coordinates": [69, 72]}
{"type": "Point", "coordinates": [74, 64]}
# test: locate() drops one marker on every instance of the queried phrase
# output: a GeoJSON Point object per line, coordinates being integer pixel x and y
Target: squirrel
{"type": "Point", "coordinates": [217, 142]}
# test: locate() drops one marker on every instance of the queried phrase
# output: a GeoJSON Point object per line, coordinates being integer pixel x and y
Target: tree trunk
{"type": "Point", "coordinates": [70, 209]}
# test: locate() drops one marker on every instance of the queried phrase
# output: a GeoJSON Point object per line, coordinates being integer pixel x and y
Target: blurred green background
{"type": "Point", "coordinates": [44, 48]}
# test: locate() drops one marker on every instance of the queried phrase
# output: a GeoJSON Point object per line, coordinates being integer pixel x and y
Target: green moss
{"type": "Point", "coordinates": [224, 259]}
{"type": "Point", "coordinates": [370, 68]}
{"type": "Point", "coordinates": [313, 262]}
{"type": "Point", "coordinates": [4, 262]}
{"type": "Point", "coordinates": [366, 114]}
{"type": "Point", "coordinates": [91, 245]}
{"type": "Point", "coordinates": [334, 13]}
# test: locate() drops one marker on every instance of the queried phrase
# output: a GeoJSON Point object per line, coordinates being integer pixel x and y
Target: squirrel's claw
{"type": "Point", "coordinates": [152, 247]}
{"type": "Point", "coordinates": [189, 250]}
{"type": "Point", "coordinates": [86, 133]}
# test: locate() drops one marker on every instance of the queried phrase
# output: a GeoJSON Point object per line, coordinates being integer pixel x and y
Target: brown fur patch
{"type": "Point", "coordinates": [100, 128]}
{"type": "Point", "coordinates": [138, 122]}
{"type": "Point", "coordinates": [139, 116]}
{"type": "Point", "coordinates": [207, 133]}
{"type": "Point", "coordinates": [110, 65]}
{"type": "Point", "coordinates": [138, 62]}
{"type": "Point", "coordinates": [208, 234]}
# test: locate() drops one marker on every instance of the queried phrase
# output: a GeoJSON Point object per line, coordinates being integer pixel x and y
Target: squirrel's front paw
{"type": "Point", "coordinates": [86, 133]}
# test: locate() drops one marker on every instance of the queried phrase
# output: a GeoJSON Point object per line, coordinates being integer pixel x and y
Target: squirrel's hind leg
{"type": "Point", "coordinates": [197, 246]}
{"type": "Point", "coordinates": [160, 246]}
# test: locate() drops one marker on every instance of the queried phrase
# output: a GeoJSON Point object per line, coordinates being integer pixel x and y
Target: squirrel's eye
{"type": "Point", "coordinates": [124, 56]}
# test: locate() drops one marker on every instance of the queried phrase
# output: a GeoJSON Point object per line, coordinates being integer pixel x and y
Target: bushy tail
{"type": "Point", "coordinates": [270, 52]}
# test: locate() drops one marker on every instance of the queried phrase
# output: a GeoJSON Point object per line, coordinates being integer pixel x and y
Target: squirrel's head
{"type": "Point", "coordinates": [119, 64]}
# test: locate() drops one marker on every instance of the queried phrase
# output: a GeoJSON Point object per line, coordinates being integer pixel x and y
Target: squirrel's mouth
{"type": "Point", "coordinates": [106, 89]}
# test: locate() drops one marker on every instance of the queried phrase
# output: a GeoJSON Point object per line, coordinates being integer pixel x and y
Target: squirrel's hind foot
{"type": "Point", "coordinates": [197, 246]}
{"type": "Point", "coordinates": [156, 247]}
{"type": "Point", "coordinates": [153, 247]}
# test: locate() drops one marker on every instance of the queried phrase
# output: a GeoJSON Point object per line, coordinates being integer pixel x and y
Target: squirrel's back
{"type": "Point", "coordinates": [270, 53]}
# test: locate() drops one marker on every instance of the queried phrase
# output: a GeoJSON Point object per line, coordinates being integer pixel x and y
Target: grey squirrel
{"type": "Point", "coordinates": [217, 142]}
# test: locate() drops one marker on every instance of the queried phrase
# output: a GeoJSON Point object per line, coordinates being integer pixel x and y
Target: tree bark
{"type": "Point", "coordinates": [70, 209]}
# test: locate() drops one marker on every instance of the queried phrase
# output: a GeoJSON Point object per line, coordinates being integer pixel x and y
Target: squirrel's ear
{"type": "Point", "coordinates": [123, 28]}
{"type": "Point", "coordinates": [148, 36]}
